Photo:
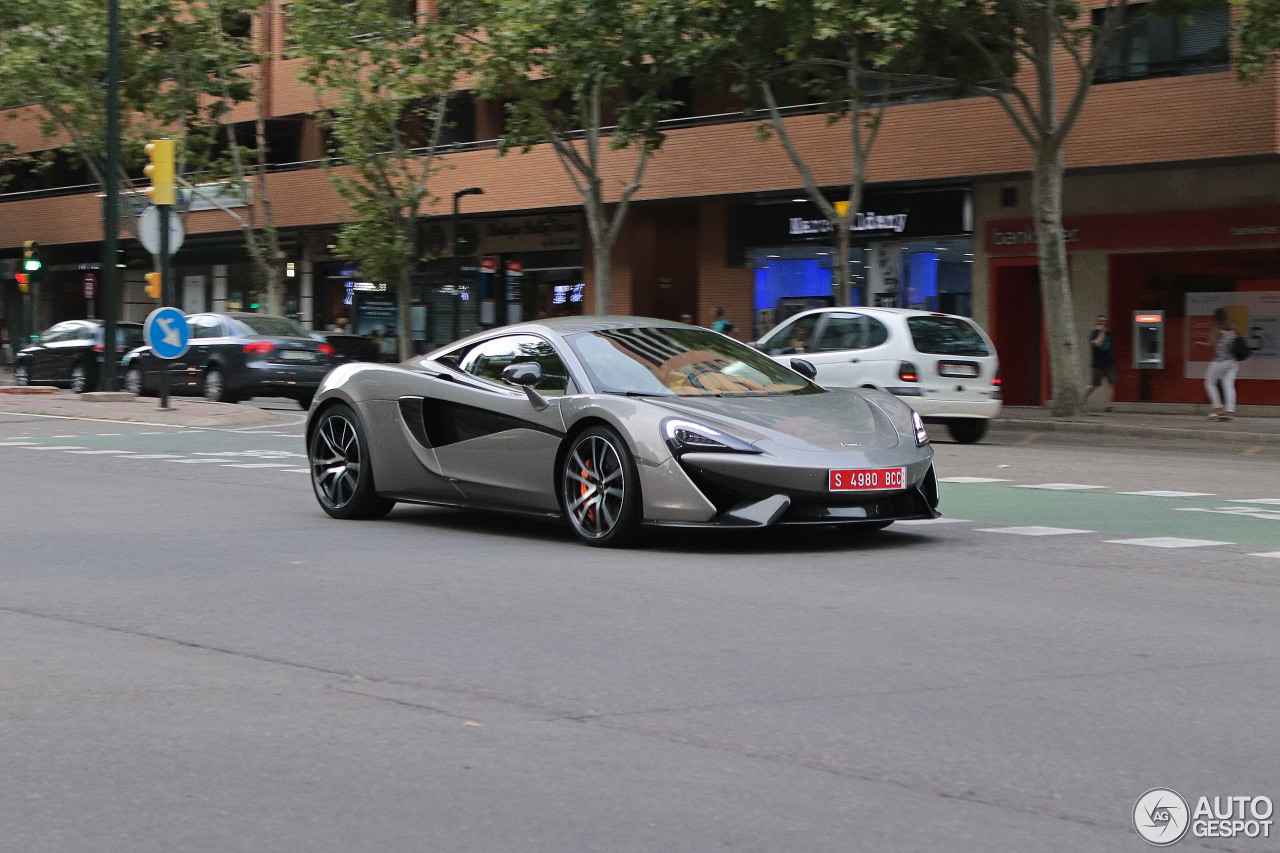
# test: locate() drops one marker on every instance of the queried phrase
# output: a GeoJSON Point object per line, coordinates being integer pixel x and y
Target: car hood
{"type": "Point", "coordinates": [835, 420]}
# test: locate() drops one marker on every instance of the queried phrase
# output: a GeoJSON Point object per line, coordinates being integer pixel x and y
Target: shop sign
{"type": "Point", "coordinates": [515, 268]}
{"type": "Point", "coordinates": [861, 222]}
{"type": "Point", "coordinates": [488, 265]}
{"type": "Point", "coordinates": [514, 234]}
{"type": "Point", "coordinates": [1166, 229]}
{"type": "Point", "coordinates": [90, 284]}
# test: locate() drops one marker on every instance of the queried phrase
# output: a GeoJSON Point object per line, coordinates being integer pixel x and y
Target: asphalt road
{"type": "Point", "coordinates": [196, 658]}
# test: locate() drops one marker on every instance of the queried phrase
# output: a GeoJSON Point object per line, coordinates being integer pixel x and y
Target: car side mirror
{"type": "Point", "coordinates": [526, 373]}
{"type": "Point", "coordinates": [804, 368]}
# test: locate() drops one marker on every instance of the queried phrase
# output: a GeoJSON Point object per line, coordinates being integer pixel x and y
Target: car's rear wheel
{"type": "Point", "coordinates": [215, 387]}
{"type": "Point", "coordinates": [21, 376]}
{"type": "Point", "coordinates": [341, 473]}
{"type": "Point", "coordinates": [133, 381]}
{"type": "Point", "coordinates": [80, 381]}
{"type": "Point", "coordinates": [967, 430]}
{"type": "Point", "coordinates": [600, 488]}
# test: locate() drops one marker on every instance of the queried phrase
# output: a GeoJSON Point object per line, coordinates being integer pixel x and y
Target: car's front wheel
{"type": "Point", "coordinates": [80, 381]}
{"type": "Point", "coordinates": [341, 473]}
{"type": "Point", "coordinates": [600, 488]}
{"type": "Point", "coordinates": [967, 430]}
{"type": "Point", "coordinates": [133, 381]}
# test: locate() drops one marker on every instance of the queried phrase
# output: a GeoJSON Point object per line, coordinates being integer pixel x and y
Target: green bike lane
{"type": "Point", "coordinates": [1214, 518]}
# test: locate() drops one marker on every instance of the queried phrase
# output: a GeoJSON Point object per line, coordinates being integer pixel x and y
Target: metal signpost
{"type": "Point", "coordinates": [167, 334]}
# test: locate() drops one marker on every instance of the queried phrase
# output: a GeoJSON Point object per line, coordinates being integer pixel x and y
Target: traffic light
{"type": "Point", "coordinates": [154, 281]}
{"type": "Point", "coordinates": [24, 281]}
{"type": "Point", "coordinates": [160, 171]}
{"type": "Point", "coordinates": [31, 256]}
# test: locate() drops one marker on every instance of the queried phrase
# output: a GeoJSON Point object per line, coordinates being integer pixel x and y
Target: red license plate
{"type": "Point", "coordinates": [866, 479]}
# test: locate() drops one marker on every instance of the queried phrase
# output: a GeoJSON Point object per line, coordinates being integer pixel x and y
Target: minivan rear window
{"type": "Point", "coordinates": [947, 336]}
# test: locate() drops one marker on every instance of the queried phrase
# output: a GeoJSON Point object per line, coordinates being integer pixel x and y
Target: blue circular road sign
{"type": "Point", "coordinates": [166, 332]}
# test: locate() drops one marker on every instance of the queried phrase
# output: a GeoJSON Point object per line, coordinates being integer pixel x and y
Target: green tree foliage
{"type": "Point", "coordinates": [587, 77]}
{"type": "Point", "coordinates": [841, 56]}
{"type": "Point", "coordinates": [172, 76]}
{"type": "Point", "coordinates": [1259, 34]}
{"type": "Point", "coordinates": [385, 75]}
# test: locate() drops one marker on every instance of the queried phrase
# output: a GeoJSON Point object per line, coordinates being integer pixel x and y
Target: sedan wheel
{"type": "Point", "coordinates": [215, 388]}
{"type": "Point", "coordinates": [599, 488]}
{"type": "Point", "coordinates": [79, 379]}
{"type": "Point", "coordinates": [21, 376]}
{"type": "Point", "coordinates": [341, 474]}
{"type": "Point", "coordinates": [133, 381]}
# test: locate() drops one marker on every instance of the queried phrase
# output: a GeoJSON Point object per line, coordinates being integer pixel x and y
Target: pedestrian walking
{"type": "Point", "coordinates": [722, 324]}
{"type": "Point", "coordinates": [1102, 360]}
{"type": "Point", "coordinates": [1222, 370]}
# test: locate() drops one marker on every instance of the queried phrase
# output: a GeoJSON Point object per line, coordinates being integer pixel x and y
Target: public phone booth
{"type": "Point", "coordinates": [1148, 340]}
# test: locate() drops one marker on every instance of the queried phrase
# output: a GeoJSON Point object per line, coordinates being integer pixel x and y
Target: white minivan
{"type": "Point", "coordinates": [944, 365]}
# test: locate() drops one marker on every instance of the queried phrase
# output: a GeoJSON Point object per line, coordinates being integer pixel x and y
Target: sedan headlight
{"type": "Point", "coordinates": [689, 437]}
{"type": "Point", "coordinates": [922, 436]}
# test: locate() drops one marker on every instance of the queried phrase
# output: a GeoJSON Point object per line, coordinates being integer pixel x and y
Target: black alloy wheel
{"type": "Point", "coordinates": [967, 430]}
{"type": "Point", "coordinates": [600, 488]}
{"type": "Point", "coordinates": [341, 473]}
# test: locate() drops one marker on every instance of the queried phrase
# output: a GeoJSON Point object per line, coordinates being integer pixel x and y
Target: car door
{"type": "Point", "coordinates": [51, 349]}
{"type": "Point", "coordinates": [487, 435]}
{"type": "Point", "coordinates": [851, 349]}
{"type": "Point", "coordinates": [188, 369]}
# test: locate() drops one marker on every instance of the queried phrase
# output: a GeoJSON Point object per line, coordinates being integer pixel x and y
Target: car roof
{"type": "Point", "coordinates": [883, 312]}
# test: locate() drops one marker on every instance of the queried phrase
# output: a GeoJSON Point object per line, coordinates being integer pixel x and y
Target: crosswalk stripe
{"type": "Point", "coordinates": [1061, 487]}
{"type": "Point", "coordinates": [1167, 542]}
{"type": "Point", "coordinates": [1159, 493]}
{"type": "Point", "coordinates": [101, 452]}
{"type": "Point", "coordinates": [257, 465]}
{"type": "Point", "coordinates": [1032, 530]}
{"type": "Point", "coordinates": [972, 480]}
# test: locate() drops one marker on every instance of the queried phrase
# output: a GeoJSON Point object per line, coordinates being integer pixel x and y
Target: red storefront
{"type": "Point", "coordinates": [1182, 263]}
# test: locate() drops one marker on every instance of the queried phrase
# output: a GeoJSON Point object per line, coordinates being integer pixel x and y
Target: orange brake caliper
{"type": "Point", "coordinates": [584, 488]}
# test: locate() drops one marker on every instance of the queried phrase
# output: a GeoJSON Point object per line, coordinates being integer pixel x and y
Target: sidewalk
{"type": "Point", "coordinates": [182, 411]}
{"type": "Point", "coordinates": [1016, 423]}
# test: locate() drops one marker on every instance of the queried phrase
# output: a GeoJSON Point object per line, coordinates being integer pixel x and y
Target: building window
{"type": "Point", "coordinates": [1151, 46]}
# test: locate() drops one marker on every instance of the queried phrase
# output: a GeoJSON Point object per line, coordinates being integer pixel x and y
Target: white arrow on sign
{"type": "Point", "coordinates": [172, 337]}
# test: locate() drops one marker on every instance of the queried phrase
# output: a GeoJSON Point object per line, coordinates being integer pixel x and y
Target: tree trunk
{"type": "Point", "coordinates": [840, 263]}
{"type": "Point", "coordinates": [1055, 281]}
{"type": "Point", "coordinates": [601, 253]}
{"type": "Point", "coordinates": [404, 316]}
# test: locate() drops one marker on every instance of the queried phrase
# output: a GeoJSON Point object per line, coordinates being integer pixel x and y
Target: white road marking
{"type": "Point", "coordinates": [1032, 530]}
{"type": "Point", "coordinates": [100, 452]}
{"type": "Point", "coordinates": [1268, 515]}
{"type": "Point", "coordinates": [973, 480]}
{"type": "Point", "coordinates": [1061, 487]}
{"type": "Point", "coordinates": [56, 447]}
{"type": "Point", "coordinates": [1275, 554]}
{"type": "Point", "coordinates": [195, 461]}
{"type": "Point", "coordinates": [308, 471]}
{"type": "Point", "coordinates": [909, 521]}
{"type": "Point", "coordinates": [1158, 493]}
{"type": "Point", "coordinates": [1269, 501]}
{"type": "Point", "coordinates": [1167, 542]}
{"type": "Point", "coordinates": [17, 444]}
{"type": "Point", "coordinates": [157, 456]}
{"type": "Point", "coordinates": [256, 465]}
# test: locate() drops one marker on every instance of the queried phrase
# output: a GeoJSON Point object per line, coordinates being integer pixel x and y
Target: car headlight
{"type": "Point", "coordinates": [922, 436]}
{"type": "Point", "coordinates": [689, 437]}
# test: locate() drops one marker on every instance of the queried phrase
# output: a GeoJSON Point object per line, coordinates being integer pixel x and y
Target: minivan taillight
{"type": "Point", "coordinates": [995, 380]}
{"type": "Point", "coordinates": [907, 372]}
{"type": "Point", "coordinates": [98, 348]}
{"type": "Point", "coordinates": [259, 347]}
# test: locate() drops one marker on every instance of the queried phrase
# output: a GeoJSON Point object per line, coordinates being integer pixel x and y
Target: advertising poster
{"type": "Point", "coordinates": [1255, 315]}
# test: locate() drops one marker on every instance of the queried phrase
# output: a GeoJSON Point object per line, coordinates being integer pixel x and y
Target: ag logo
{"type": "Point", "coordinates": [1161, 817]}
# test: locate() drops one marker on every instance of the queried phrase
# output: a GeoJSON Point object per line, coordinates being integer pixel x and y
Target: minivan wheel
{"type": "Point", "coordinates": [967, 430]}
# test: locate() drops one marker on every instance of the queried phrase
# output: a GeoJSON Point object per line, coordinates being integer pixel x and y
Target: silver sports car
{"type": "Point", "coordinates": [613, 423]}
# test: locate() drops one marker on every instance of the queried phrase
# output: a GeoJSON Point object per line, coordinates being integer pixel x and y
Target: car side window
{"type": "Point", "coordinates": [842, 331]}
{"type": "Point", "coordinates": [876, 333]}
{"type": "Point", "coordinates": [56, 333]}
{"type": "Point", "coordinates": [206, 327]}
{"type": "Point", "coordinates": [791, 338]}
{"type": "Point", "coordinates": [490, 359]}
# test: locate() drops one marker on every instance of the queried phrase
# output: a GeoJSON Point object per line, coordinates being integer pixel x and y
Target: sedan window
{"type": "Point", "coordinates": [488, 360]}
{"type": "Point", "coordinates": [206, 327]}
{"type": "Point", "coordinates": [791, 338]}
{"type": "Point", "coordinates": [851, 331]}
{"type": "Point", "coordinates": [276, 327]}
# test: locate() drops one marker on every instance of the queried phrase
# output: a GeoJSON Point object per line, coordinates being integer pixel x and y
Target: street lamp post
{"type": "Point", "coordinates": [457, 261]}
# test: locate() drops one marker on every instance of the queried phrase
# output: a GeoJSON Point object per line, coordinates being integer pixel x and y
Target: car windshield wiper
{"type": "Point", "coordinates": [638, 394]}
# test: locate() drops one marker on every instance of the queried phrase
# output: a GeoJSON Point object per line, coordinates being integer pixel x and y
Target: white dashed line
{"type": "Point", "coordinates": [973, 480]}
{"type": "Point", "coordinates": [196, 461]}
{"type": "Point", "coordinates": [257, 465]}
{"type": "Point", "coordinates": [1167, 542]}
{"type": "Point", "coordinates": [1157, 493]}
{"type": "Point", "coordinates": [1032, 531]}
{"type": "Point", "coordinates": [101, 452]}
{"type": "Point", "coordinates": [17, 444]}
{"type": "Point", "coordinates": [1268, 501]}
{"type": "Point", "coordinates": [909, 521]}
{"type": "Point", "coordinates": [1275, 554]}
{"type": "Point", "coordinates": [1061, 487]}
{"type": "Point", "coordinates": [308, 471]}
{"type": "Point", "coordinates": [156, 456]}
{"type": "Point", "coordinates": [56, 447]}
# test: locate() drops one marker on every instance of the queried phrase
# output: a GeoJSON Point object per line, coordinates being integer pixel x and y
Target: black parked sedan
{"type": "Point", "coordinates": [232, 357]}
{"type": "Point", "coordinates": [69, 354]}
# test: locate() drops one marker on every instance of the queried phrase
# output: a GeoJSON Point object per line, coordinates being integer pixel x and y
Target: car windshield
{"type": "Point", "coordinates": [276, 327]}
{"type": "Point", "coordinates": [947, 336]}
{"type": "Point", "coordinates": [128, 336]}
{"type": "Point", "coordinates": [683, 362]}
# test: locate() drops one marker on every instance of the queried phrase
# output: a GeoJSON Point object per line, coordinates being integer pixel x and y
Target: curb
{"type": "Point", "coordinates": [1220, 435]}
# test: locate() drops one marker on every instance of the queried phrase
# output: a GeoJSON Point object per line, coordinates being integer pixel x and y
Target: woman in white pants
{"type": "Point", "coordinates": [1222, 370]}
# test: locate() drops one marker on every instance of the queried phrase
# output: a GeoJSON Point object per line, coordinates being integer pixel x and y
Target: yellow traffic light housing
{"type": "Point", "coordinates": [160, 171]}
{"type": "Point", "coordinates": [31, 256]}
{"type": "Point", "coordinates": [154, 282]}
